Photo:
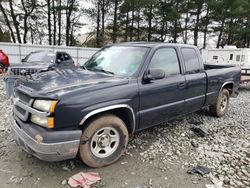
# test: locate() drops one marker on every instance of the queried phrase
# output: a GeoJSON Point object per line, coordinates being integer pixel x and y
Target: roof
{"type": "Point", "coordinates": [150, 44]}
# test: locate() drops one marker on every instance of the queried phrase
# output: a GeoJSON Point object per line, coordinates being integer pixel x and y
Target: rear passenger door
{"type": "Point", "coordinates": [195, 80]}
{"type": "Point", "coordinates": [162, 99]}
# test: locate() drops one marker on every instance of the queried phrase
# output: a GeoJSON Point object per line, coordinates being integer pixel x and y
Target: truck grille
{"type": "Point", "coordinates": [22, 71]}
{"type": "Point", "coordinates": [24, 98]}
{"type": "Point", "coordinates": [18, 110]}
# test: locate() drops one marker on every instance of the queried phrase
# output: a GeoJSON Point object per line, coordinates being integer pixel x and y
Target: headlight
{"type": "Point", "coordinates": [47, 122]}
{"type": "Point", "coordinates": [45, 105]}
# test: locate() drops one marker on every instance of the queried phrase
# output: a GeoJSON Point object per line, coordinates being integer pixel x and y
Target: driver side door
{"type": "Point", "coordinates": [162, 99]}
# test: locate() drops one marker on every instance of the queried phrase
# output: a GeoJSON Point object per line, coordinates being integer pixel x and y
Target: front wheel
{"type": "Point", "coordinates": [103, 141]}
{"type": "Point", "coordinates": [222, 103]}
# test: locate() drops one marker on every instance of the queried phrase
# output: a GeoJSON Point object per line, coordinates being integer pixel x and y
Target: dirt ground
{"type": "Point", "coordinates": [158, 157]}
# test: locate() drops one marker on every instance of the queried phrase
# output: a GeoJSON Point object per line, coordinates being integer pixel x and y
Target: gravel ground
{"type": "Point", "coordinates": [157, 157]}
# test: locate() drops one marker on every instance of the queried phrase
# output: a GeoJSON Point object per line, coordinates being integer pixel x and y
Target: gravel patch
{"type": "Point", "coordinates": [225, 149]}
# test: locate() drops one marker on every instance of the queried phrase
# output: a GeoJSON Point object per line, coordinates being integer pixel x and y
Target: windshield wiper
{"type": "Point", "coordinates": [107, 72]}
{"type": "Point", "coordinates": [100, 70]}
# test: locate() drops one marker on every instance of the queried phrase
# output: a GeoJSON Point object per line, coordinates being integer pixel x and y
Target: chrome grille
{"type": "Point", "coordinates": [19, 111]}
{"type": "Point", "coordinates": [22, 97]}
{"type": "Point", "coordinates": [23, 71]}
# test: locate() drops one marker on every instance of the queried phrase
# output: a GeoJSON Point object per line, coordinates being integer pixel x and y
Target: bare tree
{"type": "Point", "coordinates": [15, 22]}
{"type": "Point", "coordinates": [8, 23]}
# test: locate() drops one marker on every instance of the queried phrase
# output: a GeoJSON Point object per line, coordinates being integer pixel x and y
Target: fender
{"type": "Point", "coordinates": [228, 82]}
{"type": "Point", "coordinates": [107, 108]}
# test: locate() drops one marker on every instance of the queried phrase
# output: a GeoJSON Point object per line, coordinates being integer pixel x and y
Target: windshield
{"type": "Point", "coordinates": [120, 60]}
{"type": "Point", "coordinates": [43, 57]}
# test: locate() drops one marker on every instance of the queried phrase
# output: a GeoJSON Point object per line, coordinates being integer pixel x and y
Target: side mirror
{"type": "Point", "coordinates": [154, 74]}
{"type": "Point", "coordinates": [22, 60]}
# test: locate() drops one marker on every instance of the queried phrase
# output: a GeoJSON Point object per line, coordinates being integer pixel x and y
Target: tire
{"type": "Point", "coordinates": [222, 103]}
{"type": "Point", "coordinates": [103, 141]}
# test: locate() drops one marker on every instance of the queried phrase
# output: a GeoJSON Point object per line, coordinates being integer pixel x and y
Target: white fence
{"type": "Point", "coordinates": [16, 52]}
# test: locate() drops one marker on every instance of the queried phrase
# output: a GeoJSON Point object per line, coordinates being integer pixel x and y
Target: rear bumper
{"type": "Point", "coordinates": [52, 151]}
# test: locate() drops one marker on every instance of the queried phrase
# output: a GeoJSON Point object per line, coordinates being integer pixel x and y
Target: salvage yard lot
{"type": "Point", "coordinates": [157, 157]}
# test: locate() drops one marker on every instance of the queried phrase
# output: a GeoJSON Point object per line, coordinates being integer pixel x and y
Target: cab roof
{"type": "Point", "coordinates": [150, 44]}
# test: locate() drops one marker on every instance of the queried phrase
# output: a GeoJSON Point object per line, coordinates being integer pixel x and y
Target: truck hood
{"type": "Point", "coordinates": [63, 81]}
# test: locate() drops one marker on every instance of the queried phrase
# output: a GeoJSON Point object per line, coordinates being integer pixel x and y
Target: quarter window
{"type": "Point", "coordinates": [191, 60]}
{"type": "Point", "coordinates": [167, 60]}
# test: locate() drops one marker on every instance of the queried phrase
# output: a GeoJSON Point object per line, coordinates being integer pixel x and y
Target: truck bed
{"type": "Point", "coordinates": [217, 75]}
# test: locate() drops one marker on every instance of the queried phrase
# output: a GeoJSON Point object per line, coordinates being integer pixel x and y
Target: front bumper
{"type": "Point", "coordinates": [47, 151]}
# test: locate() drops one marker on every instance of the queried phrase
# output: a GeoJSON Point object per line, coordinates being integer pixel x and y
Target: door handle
{"type": "Point", "coordinates": [182, 85]}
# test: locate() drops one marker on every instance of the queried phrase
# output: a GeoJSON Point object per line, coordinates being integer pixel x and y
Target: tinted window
{"type": "Point", "coordinates": [167, 60]}
{"type": "Point", "coordinates": [60, 57]}
{"type": "Point", "coordinates": [231, 57]}
{"type": "Point", "coordinates": [42, 57]}
{"type": "Point", "coordinates": [191, 60]}
{"type": "Point", "coordinates": [66, 57]}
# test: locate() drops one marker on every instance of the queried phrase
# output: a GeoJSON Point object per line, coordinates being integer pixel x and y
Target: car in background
{"type": "Point", "coordinates": [35, 62]}
{"type": "Point", "coordinates": [41, 61]}
{"type": "Point", "coordinates": [4, 61]}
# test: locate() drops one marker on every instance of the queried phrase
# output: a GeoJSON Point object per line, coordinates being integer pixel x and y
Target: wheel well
{"type": "Point", "coordinates": [123, 113]}
{"type": "Point", "coordinates": [229, 87]}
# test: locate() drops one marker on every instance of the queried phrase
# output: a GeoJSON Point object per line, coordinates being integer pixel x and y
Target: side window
{"type": "Point", "coordinates": [191, 60]}
{"type": "Point", "coordinates": [238, 58]}
{"type": "Point", "coordinates": [242, 58]}
{"type": "Point", "coordinates": [59, 57]}
{"type": "Point", "coordinates": [231, 57]}
{"type": "Point", "coordinates": [167, 60]}
{"type": "Point", "coordinates": [215, 57]}
{"type": "Point", "coordinates": [66, 57]}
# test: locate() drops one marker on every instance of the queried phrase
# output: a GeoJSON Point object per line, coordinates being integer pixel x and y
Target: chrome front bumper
{"type": "Point", "coordinates": [46, 151]}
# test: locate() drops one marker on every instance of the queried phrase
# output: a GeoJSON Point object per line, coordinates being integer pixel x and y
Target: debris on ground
{"type": "Point", "coordinates": [84, 180]}
{"type": "Point", "coordinates": [64, 182]}
{"type": "Point", "coordinates": [200, 170]}
{"type": "Point", "coordinates": [194, 143]}
{"type": "Point", "coordinates": [198, 131]}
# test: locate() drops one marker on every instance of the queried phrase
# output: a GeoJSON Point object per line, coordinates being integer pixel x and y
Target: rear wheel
{"type": "Point", "coordinates": [103, 141]}
{"type": "Point", "coordinates": [222, 103]}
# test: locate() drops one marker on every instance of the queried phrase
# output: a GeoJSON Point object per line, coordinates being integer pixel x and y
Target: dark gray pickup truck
{"type": "Point", "coordinates": [122, 89]}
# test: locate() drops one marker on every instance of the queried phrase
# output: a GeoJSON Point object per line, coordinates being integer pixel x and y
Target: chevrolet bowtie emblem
{"type": "Point", "coordinates": [23, 71]}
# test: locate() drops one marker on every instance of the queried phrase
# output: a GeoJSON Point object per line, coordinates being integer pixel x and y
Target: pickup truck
{"type": "Point", "coordinates": [123, 88]}
{"type": "Point", "coordinates": [35, 62]}
{"type": "Point", "coordinates": [40, 61]}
